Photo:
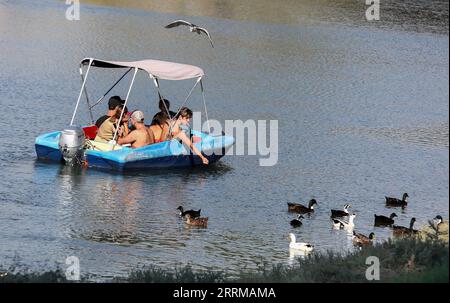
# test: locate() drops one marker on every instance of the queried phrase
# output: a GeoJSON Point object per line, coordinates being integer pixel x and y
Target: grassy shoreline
{"type": "Point", "coordinates": [401, 261]}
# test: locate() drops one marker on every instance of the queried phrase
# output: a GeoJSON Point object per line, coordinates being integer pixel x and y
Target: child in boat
{"type": "Point", "coordinates": [140, 136]}
{"type": "Point", "coordinates": [176, 131]}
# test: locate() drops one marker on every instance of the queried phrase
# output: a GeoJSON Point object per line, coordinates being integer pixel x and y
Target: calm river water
{"type": "Point", "coordinates": [362, 108]}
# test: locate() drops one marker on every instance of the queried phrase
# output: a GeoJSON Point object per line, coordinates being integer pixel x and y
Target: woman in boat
{"type": "Point", "coordinates": [177, 130]}
{"type": "Point", "coordinates": [159, 128]}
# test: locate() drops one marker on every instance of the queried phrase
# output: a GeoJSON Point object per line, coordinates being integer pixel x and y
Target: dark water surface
{"type": "Point", "coordinates": [362, 109]}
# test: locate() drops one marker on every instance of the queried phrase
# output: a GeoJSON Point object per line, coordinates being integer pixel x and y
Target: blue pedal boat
{"type": "Point", "coordinates": [76, 144]}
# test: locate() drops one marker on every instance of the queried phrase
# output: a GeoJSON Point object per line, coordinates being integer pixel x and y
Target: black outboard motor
{"type": "Point", "coordinates": [71, 144]}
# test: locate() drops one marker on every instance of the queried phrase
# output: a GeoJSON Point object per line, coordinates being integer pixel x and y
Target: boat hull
{"type": "Point", "coordinates": [166, 154]}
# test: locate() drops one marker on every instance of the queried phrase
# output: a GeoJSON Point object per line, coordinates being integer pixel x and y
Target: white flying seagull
{"type": "Point", "coordinates": [193, 28]}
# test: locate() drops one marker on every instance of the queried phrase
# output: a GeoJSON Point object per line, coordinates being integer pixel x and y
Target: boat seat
{"type": "Point", "coordinates": [90, 131]}
{"type": "Point", "coordinates": [101, 146]}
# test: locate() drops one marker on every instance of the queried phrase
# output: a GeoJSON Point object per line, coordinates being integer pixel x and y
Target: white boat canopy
{"type": "Point", "coordinates": [155, 68]}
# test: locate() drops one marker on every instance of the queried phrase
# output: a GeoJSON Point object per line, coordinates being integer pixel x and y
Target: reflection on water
{"type": "Point", "coordinates": [427, 136]}
{"type": "Point", "coordinates": [334, 82]}
{"type": "Point", "coordinates": [295, 254]}
{"type": "Point", "coordinates": [418, 15]}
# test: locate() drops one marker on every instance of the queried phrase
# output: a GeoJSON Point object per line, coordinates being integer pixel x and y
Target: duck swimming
{"type": "Point", "coordinates": [397, 202]}
{"type": "Point", "coordinates": [401, 230]}
{"type": "Point", "coordinates": [340, 213]}
{"type": "Point", "coordinates": [302, 246]}
{"type": "Point", "coordinates": [384, 221]}
{"type": "Point", "coordinates": [193, 213]}
{"type": "Point", "coordinates": [360, 239]}
{"type": "Point", "coordinates": [338, 223]}
{"type": "Point", "coordinates": [297, 222]}
{"type": "Point", "coordinates": [301, 209]}
{"type": "Point", "coordinates": [199, 221]}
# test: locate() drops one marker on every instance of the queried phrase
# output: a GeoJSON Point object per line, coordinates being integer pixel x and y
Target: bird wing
{"type": "Point", "coordinates": [337, 211]}
{"type": "Point", "coordinates": [178, 23]}
{"type": "Point", "coordinates": [393, 200]}
{"type": "Point", "coordinates": [201, 29]}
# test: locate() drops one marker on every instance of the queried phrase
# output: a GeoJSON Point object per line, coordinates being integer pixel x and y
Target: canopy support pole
{"type": "Point", "coordinates": [87, 97]}
{"type": "Point", "coordinates": [204, 104]}
{"type": "Point", "coordinates": [190, 92]}
{"type": "Point", "coordinates": [156, 82]}
{"type": "Point", "coordinates": [114, 85]}
{"type": "Point", "coordinates": [81, 91]}
{"type": "Point", "coordinates": [124, 105]}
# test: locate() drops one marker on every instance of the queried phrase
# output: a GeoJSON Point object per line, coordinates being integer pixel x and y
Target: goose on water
{"type": "Point", "coordinates": [301, 246]}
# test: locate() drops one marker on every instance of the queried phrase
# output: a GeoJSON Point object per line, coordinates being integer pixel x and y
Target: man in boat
{"type": "Point", "coordinates": [163, 104]}
{"type": "Point", "coordinates": [139, 136]}
{"type": "Point", "coordinates": [113, 103]}
{"type": "Point", "coordinates": [107, 129]}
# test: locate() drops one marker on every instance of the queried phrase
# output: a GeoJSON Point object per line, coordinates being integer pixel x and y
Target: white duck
{"type": "Point", "coordinates": [302, 246]}
{"type": "Point", "coordinates": [338, 223]}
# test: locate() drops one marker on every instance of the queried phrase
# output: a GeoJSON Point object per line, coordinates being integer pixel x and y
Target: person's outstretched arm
{"type": "Point", "coordinates": [188, 142]}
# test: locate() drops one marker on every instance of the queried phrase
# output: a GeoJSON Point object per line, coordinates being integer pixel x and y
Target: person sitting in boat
{"type": "Point", "coordinates": [177, 130]}
{"type": "Point", "coordinates": [113, 103]}
{"type": "Point", "coordinates": [124, 129]}
{"type": "Point", "coordinates": [159, 128]}
{"type": "Point", "coordinates": [139, 136]}
{"type": "Point", "coordinates": [107, 129]}
{"type": "Point", "coordinates": [164, 106]}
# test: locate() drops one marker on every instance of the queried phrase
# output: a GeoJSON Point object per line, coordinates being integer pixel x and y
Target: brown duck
{"type": "Point", "coordinates": [199, 221]}
{"type": "Point", "coordinates": [301, 209]}
{"type": "Point", "coordinates": [360, 239]}
{"type": "Point", "coordinates": [401, 230]}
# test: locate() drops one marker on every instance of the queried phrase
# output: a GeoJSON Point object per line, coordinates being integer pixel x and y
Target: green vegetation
{"type": "Point", "coordinates": [403, 260]}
